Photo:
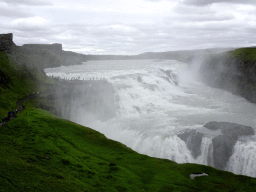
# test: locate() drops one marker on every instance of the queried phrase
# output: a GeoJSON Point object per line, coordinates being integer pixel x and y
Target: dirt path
{"type": "Point", "coordinates": [19, 107]}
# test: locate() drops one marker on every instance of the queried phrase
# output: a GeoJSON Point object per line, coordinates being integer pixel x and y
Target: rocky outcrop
{"type": "Point", "coordinates": [223, 141]}
{"type": "Point", "coordinates": [230, 129]}
{"type": "Point", "coordinates": [223, 144]}
{"type": "Point", "coordinates": [39, 56]}
{"type": "Point", "coordinates": [193, 141]}
{"type": "Point", "coordinates": [6, 43]}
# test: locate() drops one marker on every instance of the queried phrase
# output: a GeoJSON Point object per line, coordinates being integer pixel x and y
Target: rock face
{"type": "Point", "coordinates": [193, 141]}
{"type": "Point", "coordinates": [230, 129]}
{"type": "Point", "coordinates": [223, 144]}
{"type": "Point", "coordinates": [231, 74]}
{"type": "Point", "coordinates": [6, 43]}
{"type": "Point", "coordinates": [43, 55]}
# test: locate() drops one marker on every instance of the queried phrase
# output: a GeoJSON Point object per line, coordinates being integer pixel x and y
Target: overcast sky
{"type": "Point", "coordinates": [130, 26]}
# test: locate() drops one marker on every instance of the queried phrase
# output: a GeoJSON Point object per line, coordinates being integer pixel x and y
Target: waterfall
{"type": "Point", "coordinates": [243, 159]}
{"type": "Point", "coordinates": [206, 152]}
{"type": "Point", "coordinates": [160, 109]}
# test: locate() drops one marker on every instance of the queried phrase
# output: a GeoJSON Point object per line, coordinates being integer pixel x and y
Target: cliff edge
{"type": "Point", "coordinates": [234, 71]}
{"type": "Point", "coordinates": [41, 55]}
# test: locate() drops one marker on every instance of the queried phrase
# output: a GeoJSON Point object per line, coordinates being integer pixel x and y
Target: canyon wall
{"type": "Point", "coordinates": [233, 71]}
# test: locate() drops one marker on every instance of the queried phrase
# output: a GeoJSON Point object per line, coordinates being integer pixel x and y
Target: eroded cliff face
{"type": "Point", "coordinates": [6, 43]}
{"type": "Point", "coordinates": [232, 73]}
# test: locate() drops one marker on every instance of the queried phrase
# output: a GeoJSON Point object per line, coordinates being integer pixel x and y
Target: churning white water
{"type": "Point", "coordinates": [157, 100]}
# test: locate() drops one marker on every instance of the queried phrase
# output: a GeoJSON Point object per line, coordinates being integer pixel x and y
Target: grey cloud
{"type": "Point", "coordinates": [93, 39]}
{"type": "Point", "coordinates": [28, 28]}
{"type": "Point", "coordinates": [204, 17]}
{"type": "Point", "coordinates": [113, 30]}
{"type": "Point", "coordinates": [13, 13]}
{"type": "Point", "coordinates": [182, 35]}
{"type": "Point", "coordinates": [138, 38]}
{"type": "Point", "coordinates": [199, 14]}
{"type": "Point", "coordinates": [208, 2]}
{"type": "Point", "coordinates": [152, 0]}
{"type": "Point", "coordinates": [28, 2]}
{"type": "Point", "coordinates": [184, 9]}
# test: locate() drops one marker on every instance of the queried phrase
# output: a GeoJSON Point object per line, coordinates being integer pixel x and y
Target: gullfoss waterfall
{"type": "Point", "coordinates": [159, 108]}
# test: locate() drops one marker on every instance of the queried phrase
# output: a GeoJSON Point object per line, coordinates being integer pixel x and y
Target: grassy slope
{"type": "Point", "coordinates": [82, 159]}
{"type": "Point", "coordinates": [14, 89]}
{"type": "Point", "coordinates": [41, 152]}
{"type": "Point", "coordinates": [245, 54]}
{"type": "Point", "coordinates": [23, 80]}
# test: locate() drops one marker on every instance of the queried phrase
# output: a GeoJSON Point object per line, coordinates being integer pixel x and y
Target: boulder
{"type": "Point", "coordinates": [193, 141]}
{"type": "Point", "coordinates": [223, 144]}
{"type": "Point", "coordinates": [222, 150]}
{"type": "Point", "coordinates": [230, 129]}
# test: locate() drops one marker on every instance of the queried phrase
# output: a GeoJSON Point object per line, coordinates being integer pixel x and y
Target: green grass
{"type": "Point", "coordinates": [81, 159]}
{"type": "Point", "coordinates": [23, 80]}
{"type": "Point", "coordinates": [245, 54]}
{"type": "Point", "coordinates": [41, 152]}
{"type": "Point", "coordinates": [18, 86]}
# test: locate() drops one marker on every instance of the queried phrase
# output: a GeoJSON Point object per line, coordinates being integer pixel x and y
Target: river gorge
{"type": "Point", "coordinates": [162, 108]}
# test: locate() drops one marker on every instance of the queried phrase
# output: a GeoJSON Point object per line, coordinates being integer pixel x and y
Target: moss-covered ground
{"type": "Point", "coordinates": [42, 152]}
{"type": "Point", "coordinates": [245, 54]}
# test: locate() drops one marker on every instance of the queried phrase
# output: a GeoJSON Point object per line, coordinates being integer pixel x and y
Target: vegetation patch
{"type": "Point", "coordinates": [245, 54]}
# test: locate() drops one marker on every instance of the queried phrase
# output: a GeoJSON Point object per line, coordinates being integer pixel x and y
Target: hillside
{"type": "Point", "coordinates": [18, 81]}
{"type": "Point", "coordinates": [42, 152]}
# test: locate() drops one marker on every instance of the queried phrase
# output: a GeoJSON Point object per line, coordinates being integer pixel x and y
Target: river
{"type": "Point", "coordinates": [156, 100]}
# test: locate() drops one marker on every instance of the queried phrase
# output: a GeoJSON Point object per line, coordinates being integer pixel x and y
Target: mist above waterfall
{"type": "Point", "coordinates": [153, 103]}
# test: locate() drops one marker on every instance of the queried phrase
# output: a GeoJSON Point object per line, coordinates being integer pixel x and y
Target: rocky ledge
{"type": "Point", "coordinates": [222, 144]}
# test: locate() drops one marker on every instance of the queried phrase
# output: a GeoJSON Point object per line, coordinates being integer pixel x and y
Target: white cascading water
{"type": "Point", "coordinates": [243, 159]}
{"type": "Point", "coordinates": [151, 109]}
